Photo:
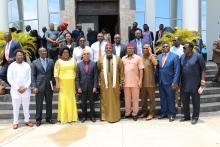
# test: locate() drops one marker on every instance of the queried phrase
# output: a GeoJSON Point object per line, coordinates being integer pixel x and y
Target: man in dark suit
{"type": "Point", "coordinates": [8, 55]}
{"type": "Point", "coordinates": [138, 43]}
{"type": "Point", "coordinates": [42, 83]}
{"type": "Point", "coordinates": [159, 33]}
{"type": "Point", "coordinates": [192, 81]}
{"type": "Point", "coordinates": [168, 72]}
{"type": "Point", "coordinates": [119, 49]}
{"type": "Point", "coordinates": [133, 30]}
{"type": "Point", "coordinates": [86, 84]}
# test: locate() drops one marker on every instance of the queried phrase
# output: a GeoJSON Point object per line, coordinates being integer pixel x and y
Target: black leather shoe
{"type": "Point", "coordinates": [50, 121]}
{"type": "Point", "coordinates": [162, 116]}
{"type": "Point", "coordinates": [135, 118]}
{"type": "Point", "coordinates": [171, 118]}
{"type": "Point", "coordinates": [93, 119]}
{"type": "Point", "coordinates": [38, 123]}
{"type": "Point", "coordinates": [127, 116]}
{"type": "Point", "coordinates": [83, 120]}
{"type": "Point", "coordinates": [194, 121]}
{"type": "Point", "coordinates": [184, 119]}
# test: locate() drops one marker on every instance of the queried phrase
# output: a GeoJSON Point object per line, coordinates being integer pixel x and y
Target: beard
{"type": "Point", "coordinates": [109, 56]}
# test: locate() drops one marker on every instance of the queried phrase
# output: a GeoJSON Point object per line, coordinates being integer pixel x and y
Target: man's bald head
{"type": "Point", "coordinates": [7, 36]}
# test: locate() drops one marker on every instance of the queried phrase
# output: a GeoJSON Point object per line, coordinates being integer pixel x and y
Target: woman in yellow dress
{"type": "Point", "coordinates": [65, 73]}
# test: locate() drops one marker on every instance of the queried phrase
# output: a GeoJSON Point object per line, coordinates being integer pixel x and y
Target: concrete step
{"type": "Point", "coordinates": [212, 84]}
{"type": "Point", "coordinates": [211, 72]}
{"type": "Point", "coordinates": [206, 107]}
{"type": "Point", "coordinates": [204, 99]}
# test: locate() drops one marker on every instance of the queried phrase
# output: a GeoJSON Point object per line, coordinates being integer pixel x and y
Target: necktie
{"type": "Point", "coordinates": [86, 67]}
{"type": "Point", "coordinates": [100, 50]}
{"type": "Point", "coordinates": [163, 58]}
{"type": "Point", "coordinates": [45, 64]}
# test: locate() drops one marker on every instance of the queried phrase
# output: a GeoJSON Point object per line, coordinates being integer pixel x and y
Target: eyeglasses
{"type": "Point", "coordinates": [166, 46]}
{"type": "Point", "coordinates": [174, 40]}
{"type": "Point", "coordinates": [184, 48]}
{"type": "Point", "coordinates": [86, 54]}
{"type": "Point", "coordinates": [145, 48]}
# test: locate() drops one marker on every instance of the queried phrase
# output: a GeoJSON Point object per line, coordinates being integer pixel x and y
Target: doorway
{"type": "Point", "coordinates": [110, 22]}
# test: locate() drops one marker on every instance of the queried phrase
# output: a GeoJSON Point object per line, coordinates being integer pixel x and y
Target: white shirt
{"type": "Point", "coordinates": [118, 50]}
{"type": "Point", "coordinates": [78, 52]}
{"type": "Point", "coordinates": [19, 75]}
{"type": "Point", "coordinates": [95, 49]}
{"type": "Point", "coordinates": [177, 50]}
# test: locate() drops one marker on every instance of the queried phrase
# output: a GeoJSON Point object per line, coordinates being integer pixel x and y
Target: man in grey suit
{"type": "Point", "coordinates": [42, 83]}
{"type": "Point", "coordinates": [119, 49]}
{"type": "Point", "coordinates": [138, 43]}
{"type": "Point", "coordinates": [86, 84]}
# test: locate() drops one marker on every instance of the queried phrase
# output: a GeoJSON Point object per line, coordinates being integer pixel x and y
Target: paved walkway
{"type": "Point", "coordinates": [126, 133]}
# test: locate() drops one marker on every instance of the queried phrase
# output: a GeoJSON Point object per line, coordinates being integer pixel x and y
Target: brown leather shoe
{"type": "Point", "coordinates": [15, 126]}
{"type": "Point", "coordinates": [149, 117]}
{"type": "Point", "coordinates": [142, 115]}
{"type": "Point", "coordinates": [29, 123]}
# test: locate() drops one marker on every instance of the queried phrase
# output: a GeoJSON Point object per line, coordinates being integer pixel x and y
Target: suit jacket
{"type": "Point", "coordinates": [143, 41]}
{"type": "Point", "coordinates": [170, 72]}
{"type": "Point", "coordinates": [123, 50]}
{"type": "Point", "coordinates": [157, 37]}
{"type": "Point", "coordinates": [87, 81]}
{"type": "Point", "coordinates": [39, 77]}
{"type": "Point", "coordinates": [14, 46]}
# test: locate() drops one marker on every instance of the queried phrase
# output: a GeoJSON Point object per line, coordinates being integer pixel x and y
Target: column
{"type": "Point", "coordinates": [127, 17]}
{"type": "Point", "coordinates": [43, 15]}
{"type": "Point", "coordinates": [4, 15]}
{"type": "Point", "coordinates": [173, 13]}
{"type": "Point", "coordinates": [191, 15]}
{"type": "Point", "coordinates": [68, 14]}
{"type": "Point", "coordinates": [212, 24]}
{"type": "Point", "coordinates": [150, 10]}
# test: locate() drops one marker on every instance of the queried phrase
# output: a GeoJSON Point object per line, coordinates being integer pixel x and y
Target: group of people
{"type": "Point", "coordinates": [108, 69]}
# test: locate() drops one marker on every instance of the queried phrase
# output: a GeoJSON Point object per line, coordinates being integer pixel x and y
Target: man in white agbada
{"type": "Point", "coordinates": [111, 78]}
{"type": "Point", "coordinates": [19, 77]}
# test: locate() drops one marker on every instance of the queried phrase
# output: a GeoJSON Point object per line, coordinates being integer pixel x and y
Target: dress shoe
{"type": "Point", "coordinates": [50, 121]}
{"type": "Point", "coordinates": [184, 119]}
{"type": "Point", "coordinates": [93, 119]}
{"type": "Point", "coordinates": [135, 118]}
{"type": "Point", "coordinates": [142, 115]}
{"type": "Point", "coordinates": [162, 116]}
{"type": "Point", "coordinates": [15, 126]}
{"type": "Point", "coordinates": [149, 117]}
{"type": "Point", "coordinates": [38, 123]}
{"type": "Point", "coordinates": [127, 116]}
{"type": "Point", "coordinates": [83, 120]}
{"type": "Point", "coordinates": [194, 121]}
{"type": "Point", "coordinates": [29, 123]}
{"type": "Point", "coordinates": [171, 118]}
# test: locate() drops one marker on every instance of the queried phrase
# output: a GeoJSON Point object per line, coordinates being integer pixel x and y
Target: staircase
{"type": "Point", "coordinates": [210, 99]}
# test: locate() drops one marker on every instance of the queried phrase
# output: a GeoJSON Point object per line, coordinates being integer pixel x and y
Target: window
{"type": "Point", "coordinates": [22, 13]}
{"type": "Point", "coordinates": [140, 13]}
{"type": "Point", "coordinates": [203, 20]}
{"type": "Point", "coordinates": [54, 11]}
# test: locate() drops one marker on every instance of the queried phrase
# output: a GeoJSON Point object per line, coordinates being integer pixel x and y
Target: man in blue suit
{"type": "Point", "coordinates": [8, 54]}
{"type": "Point", "coordinates": [138, 42]}
{"type": "Point", "coordinates": [86, 84]}
{"type": "Point", "coordinates": [168, 72]}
